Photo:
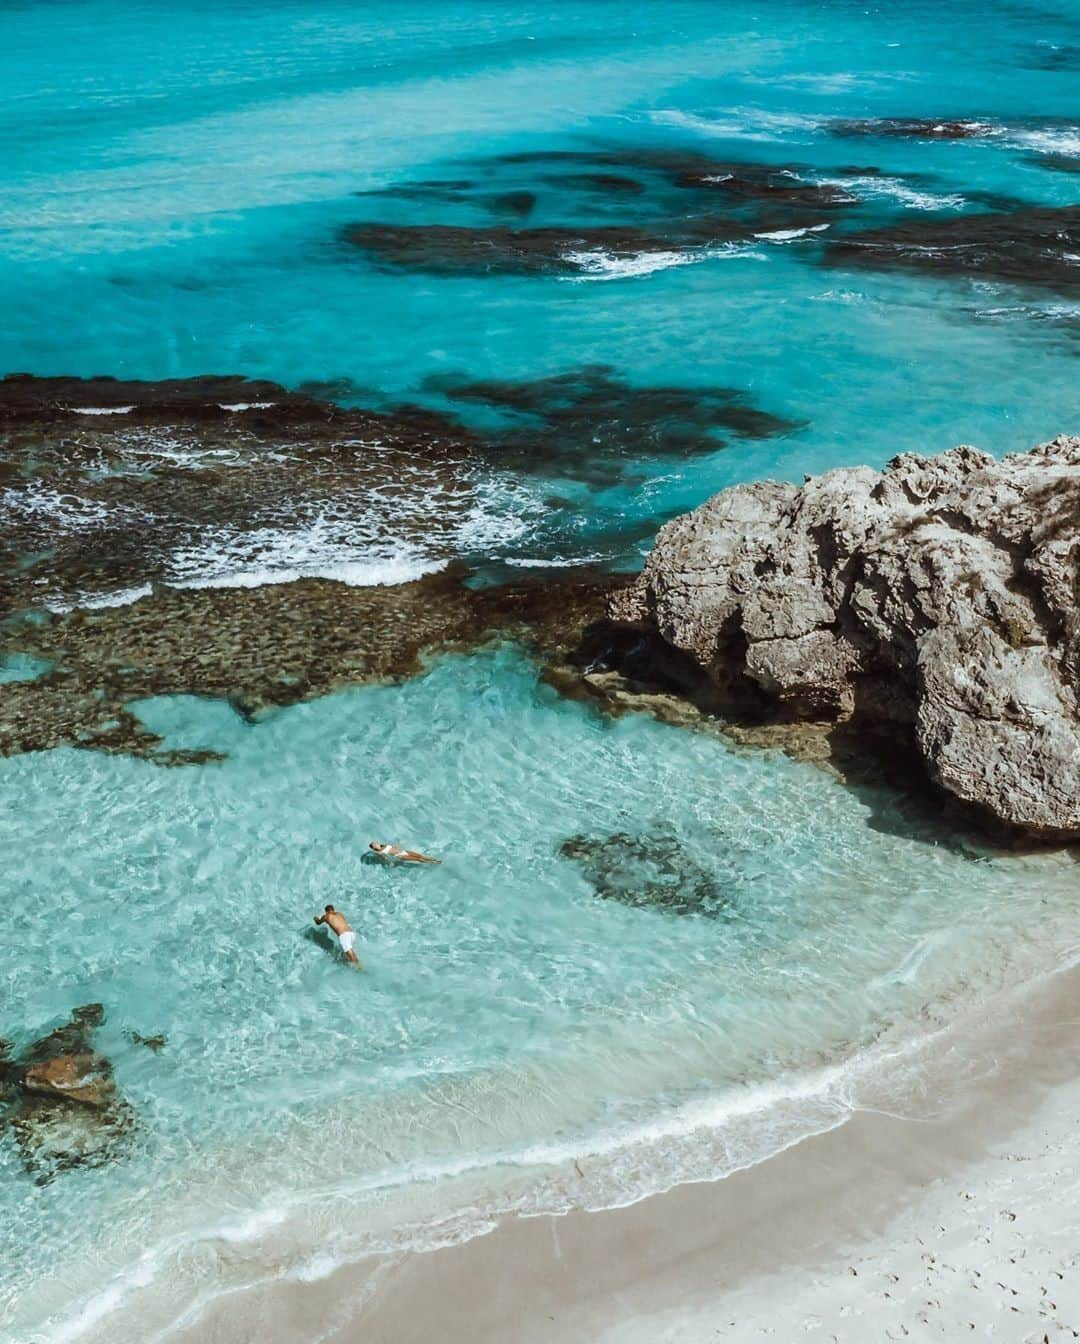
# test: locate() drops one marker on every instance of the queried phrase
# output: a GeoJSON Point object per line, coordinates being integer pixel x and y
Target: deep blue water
{"type": "Point", "coordinates": [177, 191]}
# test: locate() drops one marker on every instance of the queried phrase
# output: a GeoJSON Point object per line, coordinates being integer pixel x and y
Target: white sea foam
{"type": "Point", "coordinates": [246, 405]}
{"type": "Point", "coordinates": [741, 123]}
{"type": "Point", "coordinates": [789, 235]}
{"type": "Point", "coordinates": [374, 572]}
{"type": "Point", "coordinates": [69, 512]}
{"type": "Point", "coordinates": [121, 597]}
{"type": "Point", "coordinates": [1064, 140]}
{"type": "Point", "coordinates": [99, 410]}
{"type": "Point", "coordinates": [892, 188]}
{"type": "Point", "coordinates": [615, 266]}
{"type": "Point", "coordinates": [554, 562]}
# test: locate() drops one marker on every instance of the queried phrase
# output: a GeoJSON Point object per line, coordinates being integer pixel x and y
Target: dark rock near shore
{"type": "Point", "coordinates": [937, 602]}
{"type": "Point", "coordinates": [63, 1107]}
{"type": "Point", "coordinates": [82, 1078]}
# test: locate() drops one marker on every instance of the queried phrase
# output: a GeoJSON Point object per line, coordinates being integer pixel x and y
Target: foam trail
{"type": "Point", "coordinates": [745, 123]}
{"type": "Point", "coordinates": [610, 266]}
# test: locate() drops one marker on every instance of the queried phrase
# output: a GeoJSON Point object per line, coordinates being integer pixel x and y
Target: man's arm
{"type": "Point", "coordinates": [320, 919]}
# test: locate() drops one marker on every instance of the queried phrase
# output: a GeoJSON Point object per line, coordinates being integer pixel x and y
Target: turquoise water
{"type": "Point", "coordinates": [176, 187]}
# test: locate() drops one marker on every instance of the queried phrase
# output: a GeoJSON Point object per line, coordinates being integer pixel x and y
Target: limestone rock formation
{"type": "Point", "coordinates": [940, 597]}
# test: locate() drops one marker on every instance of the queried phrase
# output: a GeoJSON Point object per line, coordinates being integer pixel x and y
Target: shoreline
{"type": "Point", "coordinates": [829, 1220]}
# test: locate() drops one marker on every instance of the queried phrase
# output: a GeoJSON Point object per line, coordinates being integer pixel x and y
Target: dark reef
{"type": "Point", "coordinates": [915, 128]}
{"type": "Point", "coordinates": [181, 477]}
{"type": "Point", "coordinates": [1029, 246]}
{"type": "Point", "coordinates": [590, 423]}
{"type": "Point", "coordinates": [660, 200]}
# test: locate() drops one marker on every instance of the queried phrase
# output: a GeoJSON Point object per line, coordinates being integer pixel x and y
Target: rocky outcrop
{"type": "Point", "coordinates": [84, 1078]}
{"type": "Point", "coordinates": [939, 599]}
{"type": "Point", "coordinates": [62, 1106]}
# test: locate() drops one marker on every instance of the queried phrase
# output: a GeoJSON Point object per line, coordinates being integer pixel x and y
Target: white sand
{"type": "Point", "coordinates": [963, 1226]}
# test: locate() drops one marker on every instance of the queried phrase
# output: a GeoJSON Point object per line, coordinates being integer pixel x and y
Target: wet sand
{"type": "Point", "coordinates": [962, 1225]}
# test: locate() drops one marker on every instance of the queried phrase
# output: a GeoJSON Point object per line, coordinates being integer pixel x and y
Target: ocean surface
{"type": "Point", "coordinates": [618, 239]}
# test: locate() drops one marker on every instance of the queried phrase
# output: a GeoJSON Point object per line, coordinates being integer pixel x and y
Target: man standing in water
{"type": "Point", "coordinates": [337, 921]}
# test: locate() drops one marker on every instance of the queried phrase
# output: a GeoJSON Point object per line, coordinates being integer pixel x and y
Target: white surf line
{"type": "Point", "coordinates": [98, 410]}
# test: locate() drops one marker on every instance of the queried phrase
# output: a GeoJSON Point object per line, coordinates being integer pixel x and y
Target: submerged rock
{"type": "Point", "coordinates": [645, 870]}
{"type": "Point", "coordinates": [63, 1107]}
{"type": "Point", "coordinates": [592, 424]}
{"type": "Point", "coordinates": [938, 600]}
{"type": "Point", "coordinates": [651, 201]}
{"type": "Point", "coordinates": [916, 128]}
{"type": "Point", "coordinates": [154, 1043]}
{"type": "Point", "coordinates": [1033, 246]}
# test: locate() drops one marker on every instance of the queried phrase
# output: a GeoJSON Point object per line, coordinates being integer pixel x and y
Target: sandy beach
{"type": "Point", "coordinates": [963, 1224]}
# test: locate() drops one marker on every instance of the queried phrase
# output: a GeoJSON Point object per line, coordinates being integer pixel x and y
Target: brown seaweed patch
{"type": "Point", "coordinates": [1032, 247]}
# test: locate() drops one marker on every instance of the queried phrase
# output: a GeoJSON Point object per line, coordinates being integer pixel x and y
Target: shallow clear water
{"type": "Point", "coordinates": [175, 190]}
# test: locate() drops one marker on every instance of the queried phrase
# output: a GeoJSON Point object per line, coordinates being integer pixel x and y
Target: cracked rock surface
{"type": "Point", "coordinates": [939, 598]}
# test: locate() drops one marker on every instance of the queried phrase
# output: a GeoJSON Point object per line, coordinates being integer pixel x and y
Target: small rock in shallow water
{"type": "Point", "coordinates": [63, 1108]}
{"type": "Point", "coordinates": [154, 1043]}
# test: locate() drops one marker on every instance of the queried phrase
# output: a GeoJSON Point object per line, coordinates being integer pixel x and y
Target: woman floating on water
{"type": "Point", "coordinates": [395, 853]}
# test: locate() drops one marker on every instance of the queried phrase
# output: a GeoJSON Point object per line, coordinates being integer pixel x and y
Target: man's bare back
{"type": "Point", "coordinates": [335, 920]}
